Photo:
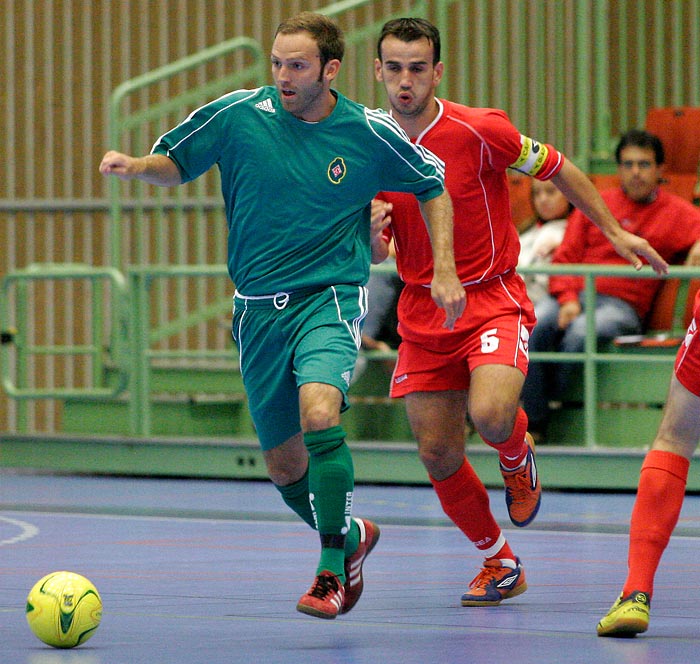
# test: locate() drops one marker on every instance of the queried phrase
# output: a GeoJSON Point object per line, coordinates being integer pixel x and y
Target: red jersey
{"type": "Point", "coordinates": [477, 146]}
{"type": "Point", "coordinates": [670, 224]}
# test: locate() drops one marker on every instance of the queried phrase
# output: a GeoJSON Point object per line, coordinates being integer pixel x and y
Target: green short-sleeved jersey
{"type": "Point", "coordinates": [297, 193]}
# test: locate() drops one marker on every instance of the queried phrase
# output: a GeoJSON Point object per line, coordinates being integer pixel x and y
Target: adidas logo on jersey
{"type": "Point", "coordinates": [265, 105]}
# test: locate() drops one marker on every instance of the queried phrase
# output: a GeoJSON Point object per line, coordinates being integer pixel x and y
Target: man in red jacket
{"type": "Point", "coordinates": [670, 224]}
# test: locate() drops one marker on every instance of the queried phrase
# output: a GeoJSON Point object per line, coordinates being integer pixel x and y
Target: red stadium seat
{"type": "Point", "coordinates": [681, 184]}
{"type": "Point", "coordinates": [603, 181]}
{"type": "Point", "coordinates": [679, 130]}
{"type": "Point", "coordinates": [670, 314]}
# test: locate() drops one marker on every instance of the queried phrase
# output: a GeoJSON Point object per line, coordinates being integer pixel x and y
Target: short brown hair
{"type": "Point", "coordinates": [409, 30]}
{"type": "Point", "coordinates": [325, 32]}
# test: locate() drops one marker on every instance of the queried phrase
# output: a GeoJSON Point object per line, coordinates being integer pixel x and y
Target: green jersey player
{"type": "Point", "coordinates": [299, 165]}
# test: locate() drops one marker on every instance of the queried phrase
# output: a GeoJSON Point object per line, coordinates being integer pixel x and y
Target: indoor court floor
{"type": "Point", "coordinates": [194, 571]}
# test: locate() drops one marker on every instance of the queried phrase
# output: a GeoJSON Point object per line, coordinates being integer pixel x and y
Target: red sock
{"type": "Point", "coordinates": [465, 500]}
{"type": "Point", "coordinates": [512, 451]}
{"type": "Point", "coordinates": [655, 514]}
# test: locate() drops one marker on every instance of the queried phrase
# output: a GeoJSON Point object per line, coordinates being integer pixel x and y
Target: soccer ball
{"type": "Point", "coordinates": [64, 609]}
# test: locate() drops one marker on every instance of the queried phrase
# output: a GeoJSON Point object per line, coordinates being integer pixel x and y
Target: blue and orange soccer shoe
{"type": "Point", "coordinates": [523, 489]}
{"type": "Point", "coordinates": [497, 580]}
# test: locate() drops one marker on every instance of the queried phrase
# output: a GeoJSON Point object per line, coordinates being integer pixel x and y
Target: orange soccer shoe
{"type": "Point", "coordinates": [523, 489]}
{"type": "Point", "coordinates": [496, 581]}
{"type": "Point", "coordinates": [324, 598]}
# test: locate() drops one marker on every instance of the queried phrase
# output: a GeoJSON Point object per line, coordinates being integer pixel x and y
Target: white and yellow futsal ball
{"type": "Point", "coordinates": [64, 609]}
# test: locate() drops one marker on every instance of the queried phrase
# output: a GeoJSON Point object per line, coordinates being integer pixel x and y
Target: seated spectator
{"type": "Point", "coordinates": [670, 223]}
{"type": "Point", "coordinates": [542, 234]}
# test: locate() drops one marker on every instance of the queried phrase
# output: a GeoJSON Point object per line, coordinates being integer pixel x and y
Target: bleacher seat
{"type": "Point", "coordinates": [673, 307]}
{"type": "Point", "coordinates": [678, 127]}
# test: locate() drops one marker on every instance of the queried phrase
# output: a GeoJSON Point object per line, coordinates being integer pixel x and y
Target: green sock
{"type": "Point", "coordinates": [331, 484]}
{"type": "Point", "coordinates": [352, 539]}
{"type": "Point", "coordinates": [296, 495]}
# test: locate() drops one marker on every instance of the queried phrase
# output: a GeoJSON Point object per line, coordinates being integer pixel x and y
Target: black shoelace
{"type": "Point", "coordinates": [323, 586]}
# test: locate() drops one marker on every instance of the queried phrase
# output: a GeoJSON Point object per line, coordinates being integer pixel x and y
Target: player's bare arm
{"type": "Point", "coordinates": [446, 289]}
{"type": "Point", "coordinates": [577, 187]}
{"type": "Point", "coordinates": [154, 168]}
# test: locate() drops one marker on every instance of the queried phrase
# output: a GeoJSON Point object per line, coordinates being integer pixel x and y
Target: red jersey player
{"type": "Point", "coordinates": [479, 365]}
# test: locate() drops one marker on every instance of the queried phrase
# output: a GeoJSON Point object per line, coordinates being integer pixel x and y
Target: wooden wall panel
{"type": "Point", "coordinates": [61, 59]}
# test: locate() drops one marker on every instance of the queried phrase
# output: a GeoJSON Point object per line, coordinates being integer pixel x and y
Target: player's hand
{"type": "Point", "coordinates": [631, 247]}
{"type": "Point", "coordinates": [380, 218]}
{"type": "Point", "coordinates": [448, 294]}
{"type": "Point", "coordinates": [121, 165]}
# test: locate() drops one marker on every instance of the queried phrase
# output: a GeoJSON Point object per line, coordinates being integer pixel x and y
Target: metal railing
{"type": "Point", "coordinates": [100, 349]}
{"type": "Point", "coordinates": [592, 356]}
{"type": "Point", "coordinates": [142, 280]}
{"type": "Point", "coordinates": [133, 343]}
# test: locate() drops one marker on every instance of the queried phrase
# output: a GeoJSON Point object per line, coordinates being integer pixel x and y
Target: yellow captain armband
{"type": "Point", "coordinates": [532, 156]}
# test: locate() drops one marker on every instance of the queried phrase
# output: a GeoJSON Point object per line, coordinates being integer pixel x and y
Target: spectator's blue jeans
{"type": "Point", "coordinates": [547, 381]}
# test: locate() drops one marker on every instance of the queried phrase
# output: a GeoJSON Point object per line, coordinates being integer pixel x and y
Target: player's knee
{"type": "Point", "coordinates": [440, 454]}
{"type": "Point", "coordinates": [431, 453]}
{"type": "Point", "coordinates": [287, 463]}
{"type": "Point", "coordinates": [319, 415]}
{"type": "Point", "coordinates": [320, 407]}
{"type": "Point", "coordinates": [494, 421]}
{"type": "Point", "coordinates": [282, 476]}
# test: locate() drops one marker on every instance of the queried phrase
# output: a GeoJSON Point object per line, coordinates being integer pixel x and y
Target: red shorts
{"type": "Point", "coordinates": [494, 329]}
{"type": "Point", "coordinates": [688, 358]}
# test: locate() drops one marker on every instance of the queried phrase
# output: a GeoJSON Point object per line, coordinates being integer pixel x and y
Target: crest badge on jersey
{"type": "Point", "coordinates": [337, 170]}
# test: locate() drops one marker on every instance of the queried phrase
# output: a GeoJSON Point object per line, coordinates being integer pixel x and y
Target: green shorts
{"type": "Point", "coordinates": [287, 340]}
